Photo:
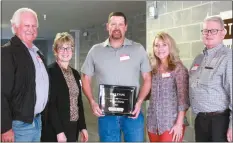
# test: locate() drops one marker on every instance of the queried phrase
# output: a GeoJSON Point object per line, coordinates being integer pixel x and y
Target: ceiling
{"type": "Point", "coordinates": [63, 15]}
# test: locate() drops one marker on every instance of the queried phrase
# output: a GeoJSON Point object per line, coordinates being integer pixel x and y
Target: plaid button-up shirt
{"type": "Point", "coordinates": [210, 81]}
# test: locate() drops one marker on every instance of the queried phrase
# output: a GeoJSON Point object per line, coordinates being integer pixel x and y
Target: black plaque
{"type": "Point", "coordinates": [117, 100]}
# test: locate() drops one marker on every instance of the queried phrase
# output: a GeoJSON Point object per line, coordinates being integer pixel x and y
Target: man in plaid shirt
{"type": "Point", "coordinates": [210, 85]}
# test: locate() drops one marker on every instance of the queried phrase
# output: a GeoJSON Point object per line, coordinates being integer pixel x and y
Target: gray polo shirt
{"type": "Point", "coordinates": [117, 66]}
{"type": "Point", "coordinates": [42, 80]}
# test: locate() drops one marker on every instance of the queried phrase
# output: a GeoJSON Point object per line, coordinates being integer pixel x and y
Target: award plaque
{"type": "Point", "coordinates": [117, 100]}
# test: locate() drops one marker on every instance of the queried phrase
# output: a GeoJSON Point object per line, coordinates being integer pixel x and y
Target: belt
{"type": "Point", "coordinates": [214, 113]}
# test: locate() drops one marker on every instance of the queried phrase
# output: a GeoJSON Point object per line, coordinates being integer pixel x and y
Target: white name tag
{"type": "Point", "coordinates": [194, 68]}
{"type": "Point", "coordinates": [124, 57]}
{"type": "Point", "coordinates": [166, 75]}
{"type": "Point", "coordinates": [39, 59]}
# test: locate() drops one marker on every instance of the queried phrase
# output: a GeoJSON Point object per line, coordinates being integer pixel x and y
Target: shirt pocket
{"type": "Point", "coordinates": [210, 71]}
{"type": "Point", "coordinates": [205, 76]}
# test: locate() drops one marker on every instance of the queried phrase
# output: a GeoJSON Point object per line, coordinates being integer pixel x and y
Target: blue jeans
{"type": "Point", "coordinates": [25, 132]}
{"type": "Point", "coordinates": [110, 128]}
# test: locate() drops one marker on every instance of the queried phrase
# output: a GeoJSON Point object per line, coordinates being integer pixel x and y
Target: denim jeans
{"type": "Point", "coordinates": [110, 128]}
{"type": "Point", "coordinates": [25, 132]}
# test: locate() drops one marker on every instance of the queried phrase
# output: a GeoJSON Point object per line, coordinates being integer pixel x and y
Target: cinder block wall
{"type": "Point", "coordinates": [183, 21]}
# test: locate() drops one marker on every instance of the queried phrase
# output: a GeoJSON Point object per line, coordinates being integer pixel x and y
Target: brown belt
{"type": "Point", "coordinates": [214, 113]}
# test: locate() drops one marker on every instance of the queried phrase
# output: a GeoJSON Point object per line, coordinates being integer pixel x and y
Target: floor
{"type": "Point", "coordinates": [91, 122]}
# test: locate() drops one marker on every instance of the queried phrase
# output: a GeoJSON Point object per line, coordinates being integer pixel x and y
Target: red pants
{"type": "Point", "coordinates": [165, 137]}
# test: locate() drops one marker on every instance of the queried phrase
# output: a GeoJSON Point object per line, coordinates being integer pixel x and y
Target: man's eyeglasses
{"type": "Point", "coordinates": [212, 31]}
{"type": "Point", "coordinates": [62, 49]}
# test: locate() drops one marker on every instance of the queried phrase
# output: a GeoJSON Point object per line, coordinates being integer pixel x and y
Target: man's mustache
{"type": "Point", "coordinates": [117, 31]}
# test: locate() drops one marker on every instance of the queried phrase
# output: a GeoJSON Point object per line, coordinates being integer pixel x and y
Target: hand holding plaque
{"type": "Point", "coordinates": [117, 100]}
{"type": "Point", "coordinates": [95, 108]}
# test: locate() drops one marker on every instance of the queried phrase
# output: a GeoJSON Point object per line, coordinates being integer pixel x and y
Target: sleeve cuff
{"type": "Point", "coordinates": [6, 126]}
{"type": "Point", "coordinates": [81, 127]}
{"type": "Point", "coordinates": [230, 123]}
{"type": "Point", "coordinates": [183, 107]}
{"type": "Point", "coordinates": [4, 130]}
{"type": "Point", "coordinates": [145, 70]}
{"type": "Point", "coordinates": [87, 73]}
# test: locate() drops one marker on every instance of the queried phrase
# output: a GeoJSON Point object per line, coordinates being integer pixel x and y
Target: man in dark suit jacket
{"type": "Point", "coordinates": [25, 83]}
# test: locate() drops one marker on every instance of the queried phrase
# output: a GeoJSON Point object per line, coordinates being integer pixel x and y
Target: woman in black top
{"type": "Point", "coordinates": [65, 116]}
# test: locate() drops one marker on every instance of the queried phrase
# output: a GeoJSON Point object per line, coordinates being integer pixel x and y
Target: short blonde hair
{"type": "Point", "coordinates": [17, 17]}
{"type": "Point", "coordinates": [62, 38]}
{"type": "Point", "coordinates": [173, 56]}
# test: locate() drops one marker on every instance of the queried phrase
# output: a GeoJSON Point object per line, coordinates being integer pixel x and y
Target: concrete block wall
{"type": "Point", "coordinates": [183, 21]}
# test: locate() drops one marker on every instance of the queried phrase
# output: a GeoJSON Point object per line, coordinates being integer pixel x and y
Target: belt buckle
{"type": "Point", "coordinates": [206, 113]}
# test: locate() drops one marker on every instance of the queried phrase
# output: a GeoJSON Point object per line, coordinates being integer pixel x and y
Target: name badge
{"type": "Point", "coordinates": [164, 75]}
{"type": "Point", "coordinates": [195, 67]}
{"type": "Point", "coordinates": [124, 57]}
{"type": "Point", "coordinates": [39, 59]}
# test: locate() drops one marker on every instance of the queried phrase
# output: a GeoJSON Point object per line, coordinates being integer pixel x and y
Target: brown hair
{"type": "Point", "coordinates": [117, 14]}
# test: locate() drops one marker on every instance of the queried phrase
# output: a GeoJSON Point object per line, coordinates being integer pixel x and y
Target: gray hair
{"type": "Point", "coordinates": [17, 15]}
{"type": "Point", "coordinates": [217, 19]}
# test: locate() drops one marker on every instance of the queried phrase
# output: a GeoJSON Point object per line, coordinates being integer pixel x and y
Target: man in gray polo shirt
{"type": "Point", "coordinates": [118, 61]}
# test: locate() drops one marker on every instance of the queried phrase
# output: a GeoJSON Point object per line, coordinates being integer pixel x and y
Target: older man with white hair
{"type": "Point", "coordinates": [210, 85]}
{"type": "Point", "coordinates": [25, 83]}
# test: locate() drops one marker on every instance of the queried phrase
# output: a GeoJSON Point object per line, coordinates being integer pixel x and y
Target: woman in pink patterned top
{"type": "Point", "coordinates": [169, 99]}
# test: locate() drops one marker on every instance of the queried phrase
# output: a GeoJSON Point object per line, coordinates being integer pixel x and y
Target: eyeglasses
{"type": "Point", "coordinates": [212, 31]}
{"type": "Point", "coordinates": [62, 49]}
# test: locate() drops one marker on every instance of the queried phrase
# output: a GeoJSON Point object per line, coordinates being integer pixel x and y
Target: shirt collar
{"type": "Point", "coordinates": [34, 48]}
{"type": "Point", "coordinates": [126, 42]}
{"type": "Point", "coordinates": [213, 50]}
{"type": "Point", "coordinates": [63, 69]}
{"type": "Point", "coordinates": [66, 70]}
